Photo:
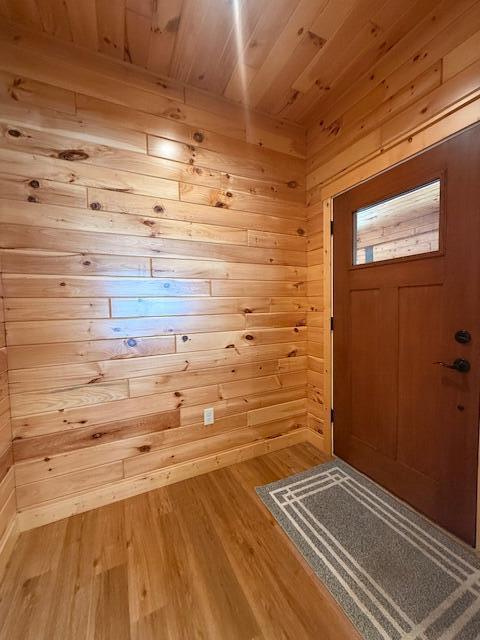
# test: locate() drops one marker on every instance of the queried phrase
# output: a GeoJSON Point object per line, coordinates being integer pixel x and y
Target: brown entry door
{"type": "Point", "coordinates": [407, 298]}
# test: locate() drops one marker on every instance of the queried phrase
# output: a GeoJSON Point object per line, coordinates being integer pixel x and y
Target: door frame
{"type": "Point", "coordinates": [369, 170]}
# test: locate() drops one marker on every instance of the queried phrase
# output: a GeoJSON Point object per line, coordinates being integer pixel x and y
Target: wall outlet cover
{"type": "Point", "coordinates": [208, 416]}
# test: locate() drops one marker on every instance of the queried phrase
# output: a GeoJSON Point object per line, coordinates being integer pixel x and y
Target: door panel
{"type": "Point", "coordinates": [372, 367]}
{"type": "Point", "coordinates": [365, 324]}
{"type": "Point", "coordinates": [408, 423]}
{"type": "Point", "coordinates": [417, 447]}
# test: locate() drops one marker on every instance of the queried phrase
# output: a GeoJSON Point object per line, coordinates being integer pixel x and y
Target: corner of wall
{"type": "Point", "coordinates": [8, 506]}
{"type": "Point", "coordinates": [317, 320]}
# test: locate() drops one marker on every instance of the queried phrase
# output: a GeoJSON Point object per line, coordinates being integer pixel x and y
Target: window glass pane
{"type": "Point", "coordinates": [405, 225]}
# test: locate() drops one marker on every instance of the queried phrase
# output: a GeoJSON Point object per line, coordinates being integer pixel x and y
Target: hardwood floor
{"type": "Point", "coordinates": [199, 559]}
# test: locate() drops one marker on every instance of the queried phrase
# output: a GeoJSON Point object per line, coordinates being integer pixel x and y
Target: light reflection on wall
{"type": "Point", "coordinates": [240, 45]}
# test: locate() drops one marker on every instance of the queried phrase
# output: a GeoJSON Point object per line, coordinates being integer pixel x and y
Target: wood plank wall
{"type": "Point", "coordinates": [318, 320]}
{"type": "Point", "coordinates": [8, 506]}
{"type": "Point", "coordinates": [153, 265]}
{"type": "Point", "coordinates": [426, 88]}
{"type": "Point", "coordinates": [166, 272]}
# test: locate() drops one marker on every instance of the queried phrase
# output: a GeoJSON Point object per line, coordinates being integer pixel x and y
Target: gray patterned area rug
{"type": "Point", "coordinates": [395, 575]}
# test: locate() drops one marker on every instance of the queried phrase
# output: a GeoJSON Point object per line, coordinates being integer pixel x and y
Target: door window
{"type": "Point", "coordinates": [405, 225]}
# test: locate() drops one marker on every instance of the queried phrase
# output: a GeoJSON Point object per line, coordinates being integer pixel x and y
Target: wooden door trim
{"type": "Point", "coordinates": [327, 329]}
{"type": "Point", "coordinates": [328, 334]}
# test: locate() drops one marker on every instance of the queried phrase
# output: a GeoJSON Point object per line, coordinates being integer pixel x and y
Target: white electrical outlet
{"type": "Point", "coordinates": [208, 416]}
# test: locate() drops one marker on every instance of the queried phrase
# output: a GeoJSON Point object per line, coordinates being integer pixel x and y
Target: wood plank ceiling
{"type": "Point", "coordinates": [288, 58]}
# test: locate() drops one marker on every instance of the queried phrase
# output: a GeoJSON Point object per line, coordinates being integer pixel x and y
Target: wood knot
{"type": "Point", "coordinates": [198, 137]}
{"type": "Point", "coordinates": [34, 184]}
{"type": "Point", "coordinates": [32, 199]}
{"type": "Point", "coordinates": [249, 337]}
{"type": "Point", "coordinates": [301, 232]}
{"type": "Point", "coordinates": [144, 448]}
{"type": "Point", "coordinates": [131, 342]}
{"type": "Point", "coordinates": [220, 205]}
{"type": "Point", "coordinates": [86, 263]}
{"type": "Point", "coordinates": [95, 380]}
{"type": "Point", "coordinates": [177, 394]}
{"type": "Point", "coordinates": [184, 338]}
{"type": "Point", "coordinates": [15, 133]}
{"type": "Point", "coordinates": [316, 40]}
{"type": "Point", "coordinates": [149, 223]}
{"type": "Point", "coordinates": [95, 206]}
{"type": "Point", "coordinates": [173, 24]}
{"type": "Point", "coordinates": [247, 310]}
{"type": "Point", "coordinates": [97, 435]}
{"type": "Point", "coordinates": [292, 184]}
{"type": "Point", "coordinates": [73, 155]}
{"type": "Point", "coordinates": [229, 194]}
{"type": "Point", "coordinates": [63, 284]}
{"type": "Point", "coordinates": [158, 208]}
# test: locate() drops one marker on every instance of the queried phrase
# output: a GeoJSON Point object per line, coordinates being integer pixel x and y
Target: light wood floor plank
{"type": "Point", "coordinates": [200, 559]}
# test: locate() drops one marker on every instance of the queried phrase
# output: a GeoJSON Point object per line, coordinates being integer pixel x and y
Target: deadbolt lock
{"type": "Point", "coordinates": [463, 336]}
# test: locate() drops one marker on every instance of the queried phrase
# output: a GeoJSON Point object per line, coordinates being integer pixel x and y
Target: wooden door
{"type": "Point", "coordinates": [406, 280]}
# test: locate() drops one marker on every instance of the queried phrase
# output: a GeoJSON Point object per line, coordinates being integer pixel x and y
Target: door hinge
{"type": "Point", "coordinates": [331, 323]}
{"type": "Point", "coordinates": [332, 415]}
{"type": "Point", "coordinates": [331, 227]}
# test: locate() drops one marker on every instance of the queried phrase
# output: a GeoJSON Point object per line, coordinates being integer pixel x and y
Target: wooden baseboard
{"type": "Point", "coordinates": [7, 543]}
{"type": "Point", "coordinates": [79, 503]}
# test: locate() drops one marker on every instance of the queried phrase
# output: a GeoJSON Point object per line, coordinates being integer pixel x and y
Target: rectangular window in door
{"type": "Point", "coordinates": [406, 225]}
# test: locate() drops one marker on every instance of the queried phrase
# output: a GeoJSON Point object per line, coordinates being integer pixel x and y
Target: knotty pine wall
{"type": "Point", "coordinates": [154, 264]}
{"type": "Point", "coordinates": [424, 89]}
{"type": "Point", "coordinates": [7, 482]}
{"type": "Point", "coordinates": [424, 77]}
